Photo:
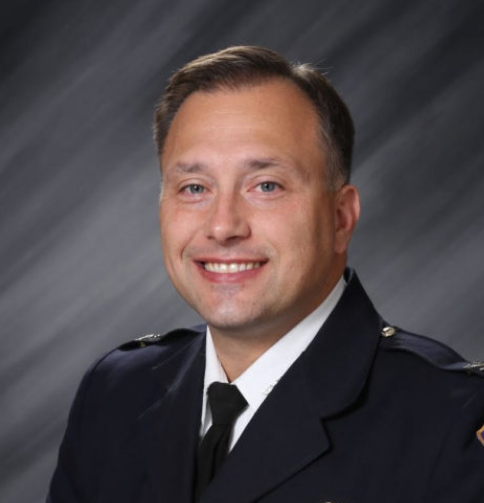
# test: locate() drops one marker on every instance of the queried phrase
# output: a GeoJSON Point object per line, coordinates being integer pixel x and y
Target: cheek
{"type": "Point", "coordinates": [311, 226]}
{"type": "Point", "coordinates": [169, 237]}
{"type": "Point", "coordinates": [300, 238]}
{"type": "Point", "coordinates": [318, 242]}
{"type": "Point", "coordinates": [176, 233]}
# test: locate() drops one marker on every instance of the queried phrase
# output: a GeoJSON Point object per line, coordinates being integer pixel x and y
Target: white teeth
{"type": "Point", "coordinates": [224, 268]}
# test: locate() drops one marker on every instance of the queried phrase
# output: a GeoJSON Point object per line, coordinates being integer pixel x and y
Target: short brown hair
{"type": "Point", "coordinates": [241, 66]}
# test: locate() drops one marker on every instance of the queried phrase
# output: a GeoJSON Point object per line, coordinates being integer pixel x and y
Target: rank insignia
{"type": "Point", "coordinates": [480, 434]}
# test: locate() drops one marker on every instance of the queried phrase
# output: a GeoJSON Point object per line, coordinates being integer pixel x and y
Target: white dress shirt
{"type": "Point", "coordinates": [259, 379]}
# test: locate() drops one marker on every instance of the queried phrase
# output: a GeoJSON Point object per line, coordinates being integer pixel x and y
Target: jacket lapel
{"type": "Point", "coordinates": [338, 361]}
{"type": "Point", "coordinates": [287, 432]}
{"type": "Point", "coordinates": [169, 429]}
{"type": "Point", "coordinates": [280, 440]}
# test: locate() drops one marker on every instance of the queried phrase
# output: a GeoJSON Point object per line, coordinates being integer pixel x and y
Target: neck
{"type": "Point", "coordinates": [237, 354]}
{"type": "Point", "coordinates": [238, 348]}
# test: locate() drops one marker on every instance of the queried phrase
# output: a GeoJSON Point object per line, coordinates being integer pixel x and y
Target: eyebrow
{"type": "Point", "coordinates": [261, 163]}
{"type": "Point", "coordinates": [195, 167]}
{"type": "Point", "coordinates": [253, 163]}
{"type": "Point", "coordinates": [267, 162]}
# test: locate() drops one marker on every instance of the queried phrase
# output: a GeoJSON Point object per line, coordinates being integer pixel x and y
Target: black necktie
{"type": "Point", "coordinates": [226, 403]}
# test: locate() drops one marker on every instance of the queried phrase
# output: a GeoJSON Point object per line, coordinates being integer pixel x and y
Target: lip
{"type": "Point", "coordinates": [217, 274]}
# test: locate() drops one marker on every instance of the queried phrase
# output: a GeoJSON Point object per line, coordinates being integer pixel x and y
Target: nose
{"type": "Point", "coordinates": [227, 220]}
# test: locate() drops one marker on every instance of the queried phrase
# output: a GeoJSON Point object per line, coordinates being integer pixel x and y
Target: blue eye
{"type": "Point", "coordinates": [194, 188]}
{"type": "Point", "coordinates": [268, 186]}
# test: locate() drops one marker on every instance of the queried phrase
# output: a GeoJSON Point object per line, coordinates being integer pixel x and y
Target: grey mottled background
{"type": "Point", "coordinates": [80, 263]}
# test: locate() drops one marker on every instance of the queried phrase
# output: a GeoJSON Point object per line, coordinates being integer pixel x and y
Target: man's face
{"type": "Point", "coordinates": [252, 237]}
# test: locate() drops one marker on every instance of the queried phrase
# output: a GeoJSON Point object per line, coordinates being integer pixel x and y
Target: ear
{"type": "Point", "coordinates": [347, 212]}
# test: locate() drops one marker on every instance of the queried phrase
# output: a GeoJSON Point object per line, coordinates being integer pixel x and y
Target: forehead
{"type": "Point", "coordinates": [274, 115]}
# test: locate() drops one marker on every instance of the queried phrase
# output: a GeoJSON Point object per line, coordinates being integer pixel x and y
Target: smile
{"type": "Point", "coordinates": [230, 268]}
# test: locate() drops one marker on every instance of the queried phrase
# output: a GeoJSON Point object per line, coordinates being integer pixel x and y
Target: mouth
{"type": "Point", "coordinates": [230, 267]}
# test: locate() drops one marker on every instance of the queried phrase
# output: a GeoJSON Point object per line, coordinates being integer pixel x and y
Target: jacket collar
{"type": "Point", "coordinates": [337, 363]}
{"type": "Point", "coordinates": [287, 432]}
{"type": "Point", "coordinates": [169, 429]}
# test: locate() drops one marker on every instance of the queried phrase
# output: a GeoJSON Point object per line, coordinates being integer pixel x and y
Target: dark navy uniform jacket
{"type": "Point", "coordinates": [360, 417]}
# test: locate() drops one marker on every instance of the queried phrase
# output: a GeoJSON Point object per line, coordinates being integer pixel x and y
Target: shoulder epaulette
{"type": "Point", "coordinates": [157, 339]}
{"type": "Point", "coordinates": [434, 352]}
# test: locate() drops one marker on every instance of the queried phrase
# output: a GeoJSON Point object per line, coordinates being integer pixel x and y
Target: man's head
{"type": "Point", "coordinates": [254, 234]}
{"type": "Point", "coordinates": [246, 66]}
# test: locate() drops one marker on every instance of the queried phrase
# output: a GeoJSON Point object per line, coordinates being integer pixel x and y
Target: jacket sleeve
{"type": "Point", "coordinates": [66, 484]}
{"type": "Point", "coordinates": [458, 474]}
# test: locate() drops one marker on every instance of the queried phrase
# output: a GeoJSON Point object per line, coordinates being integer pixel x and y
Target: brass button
{"type": "Point", "coordinates": [479, 366]}
{"type": "Point", "coordinates": [150, 338]}
{"type": "Point", "coordinates": [388, 331]}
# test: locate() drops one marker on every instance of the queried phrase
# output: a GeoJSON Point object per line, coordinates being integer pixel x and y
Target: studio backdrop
{"type": "Point", "coordinates": [81, 266]}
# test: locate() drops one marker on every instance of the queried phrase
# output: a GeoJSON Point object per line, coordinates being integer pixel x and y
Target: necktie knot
{"type": "Point", "coordinates": [226, 403]}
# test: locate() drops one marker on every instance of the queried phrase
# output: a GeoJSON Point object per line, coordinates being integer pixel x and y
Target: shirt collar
{"type": "Point", "coordinates": [259, 379]}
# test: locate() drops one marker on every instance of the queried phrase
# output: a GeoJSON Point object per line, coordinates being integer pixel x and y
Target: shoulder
{"type": "Point", "coordinates": [166, 342]}
{"type": "Point", "coordinates": [428, 373]}
{"type": "Point", "coordinates": [146, 351]}
{"type": "Point", "coordinates": [429, 351]}
{"type": "Point", "coordinates": [439, 400]}
{"type": "Point", "coordinates": [428, 387]}
{"type": "Point", "coordinates": [124, 376]}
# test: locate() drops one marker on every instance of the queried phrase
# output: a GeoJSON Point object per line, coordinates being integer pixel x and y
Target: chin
{"type": "Point", "coordinates": [230, 320]}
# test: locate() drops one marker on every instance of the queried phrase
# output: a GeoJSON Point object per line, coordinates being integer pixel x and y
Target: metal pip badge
{"type": "Point", "coordinates": [480, 434]}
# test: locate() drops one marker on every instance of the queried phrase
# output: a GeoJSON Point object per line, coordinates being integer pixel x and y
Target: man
{"type": "Point", "coordinates": [256, 213]}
